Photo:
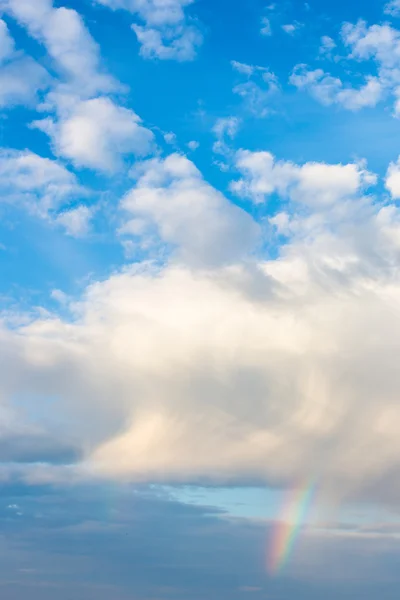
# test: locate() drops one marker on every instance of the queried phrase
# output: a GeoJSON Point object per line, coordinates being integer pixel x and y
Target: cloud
{"type": "Point", "coordinates": [380, 43]}
{"type": "Point", "coordinates": [20, 82]}
{"type": "Point", "coordinates": [258, 91]}
{"type": "Point", "coordinates": [225, 127]}
{"type": "Point", "coordinates": [86, 126]}
{"type": "Point", "coordinates": [265, 27]}
{"type": "Point", "coordinates": [96, 133]}
{"type": "Point", "coordinates": [7, 46]}
{"type": "Point", "coordinates": [76, 221]}
{"type": "Point", "coordinates": [180, 43]}
{"type": "Point", "coordinates": [166, 33]}
{"type": "Point", "coordinates": [222, 368]}
{"type": "Point", "coordinates": [21, 78]}
{"type": "Point", "coordinates": [290, 28]}
{"type": "Point", "coordinates": [66, 39]}
{"type": "Point", "coordinates": [171, 196]}
{"type": "Point", "coordinates": [201, 553]}
{"type": "Point", "coordinates": [330, 90]}
{"type": "Point", "coordinates": [39, 184]}
{"type": "Point", "coordinates": [313, 184]}
{"type": "Point", "coordinates": [392, 182]}
{"type": "Point", "coordinates": [327, 46]}
{"type": "Point", "coordinates": [193, 145]}
{"type": "Point", "coordinates": [392, 8]}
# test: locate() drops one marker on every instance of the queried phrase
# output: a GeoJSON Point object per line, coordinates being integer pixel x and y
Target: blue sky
{"type": "Point", "coordinates": [199, 279]}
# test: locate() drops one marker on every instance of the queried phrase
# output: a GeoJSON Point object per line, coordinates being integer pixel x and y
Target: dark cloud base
{"type": "Point", "coordinates": [84, 543]}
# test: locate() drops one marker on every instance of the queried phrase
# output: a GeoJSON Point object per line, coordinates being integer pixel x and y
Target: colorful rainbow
{"type": "Point", "coordinates": [288, 527]}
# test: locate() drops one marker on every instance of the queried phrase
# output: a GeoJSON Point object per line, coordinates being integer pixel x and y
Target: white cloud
{"type": "Point", "coordinates": [313, 184]}
{"type": "Point", "coordinates": [38, 183]}
{"type": "Point", "coordinates": [266, 27]}
{"type": "Point", "coordinates": [392, 181]}
{"type": "Point", "coordinates": [330, 90]}
{"type": "Point", "coordinates": [277, 371]}
{"type": "Point", "coordinates": [381, 43]}
{"type": "Point", "coordinates": [291, 28]}
{"type": "Point", "coordinates": [243, 68]}
{"type": "Point", "coordinates": [225, 127]}
{"type": "Point", "coordinates": [171, 197]}
{"type": "Point", "coordinates": [392, 8]}
{"type": "Point", "coordinates": [180, 43]}
{"type": "Point", "coordinates": [6, 42]}
{"type": "Point", "coordinates": [86, 127]}
{"type": "Point", "coordinates": [170, 138]}
{"type": "Point", "coordinates": [21, 80]}
{"type": "Point", "coordinates": [66, 39]}
{"type": "Point", "coordinates": [166, 33]}
{"type": "Point", "coordinates": [259, 89]}
{"type": "Point", "coordinates": [76, 221]}
{"type": "Point", "coordinates": [193, 145]}
{"type": "Point", "coordinates": [97, 133]}
{"type": "Point", "coordinates": [327, 46]}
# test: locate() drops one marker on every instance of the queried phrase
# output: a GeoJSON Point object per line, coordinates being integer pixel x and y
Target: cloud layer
{"type": "Point", "coordinates": [266, 370]}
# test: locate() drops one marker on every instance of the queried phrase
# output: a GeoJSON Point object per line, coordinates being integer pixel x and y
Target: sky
{"type": "Point", "coordinates": [200, 292]}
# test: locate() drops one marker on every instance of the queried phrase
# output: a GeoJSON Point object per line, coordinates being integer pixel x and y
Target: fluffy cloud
{"type": "Point", "coordinates": [89, 129]}
{"type": "Point", "coordinates": [327, 46]}
{"type": "Point", "coordinates": [165, 32]}
{"type": "Point", "coordinates": [269, 371]}
{"type": "Point", "coordinates": [20, 82]}
{"type": "Point", "coordinates": [96, 133]}
{"type": "Point", "coordinates": [76, 221]}
{"type": "Point", "coordinates": [21, 78]}
{"type": "Point", "coordinates": [39, 183]}
{"type": "Point", "coordinates": [44, 188]}
{"type": "Point", "coordinates": [291, 28]}
{"type": "Point", "coordinates": [330, 90]}
{"type": "Point", "coordinates": [313, 184]}
{"type": "Point", "coordinates": [376, 44]}
{"type": "Point", "coordinates": [392, 182]}
{"type": "Point", "coordinates": [172, 197]}
{"type": "Point", "coordinates": [6, 42]}
{"type": "Point", "coordinates": [66, 39]}
{"type": "Point", "coordinates": [392, 8]}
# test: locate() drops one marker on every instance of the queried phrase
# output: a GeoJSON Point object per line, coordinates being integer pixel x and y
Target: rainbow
{"type": "Point", "coordinates": [288, 527]}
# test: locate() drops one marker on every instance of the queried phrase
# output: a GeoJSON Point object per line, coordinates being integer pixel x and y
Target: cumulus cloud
{"type": "Point", "coordinates": [392, 181]}
{"type": "Point", "coordinates": [96, 133]}
{"type": "Point", "coordinates": [330, 90]}
{"type": "Point", "coordinates": [66, 39]}
{"type": "Point", "coordinates": [312, 184]}
{"type": "Point", "coordinates": [40, 184]}
{"type": "Point", "coordinates": [164, 30]}
{"type": "Point", "coordinates": [171, 196]}
{"type": "Point", "coordinates": [377, 45]}
{"type": "Point", "coordinates": [21, 78]}
{"type": "Point", "coordinates": [381, 43]}
{"type": "Point", "coordinates": [20, 82]}
{"type": "Point", "coordinates": [86, 126]}
{"type": "Point", "coordinates": [268, 370]}
{"type": "Point", "coordinates": [7, 45]}
{"type": "Point", "coordinates": [392, 8]}
{"type": "Point", "coordinates": [327, 46]}
{"type": "Point", "coordinates": [76, 221]}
